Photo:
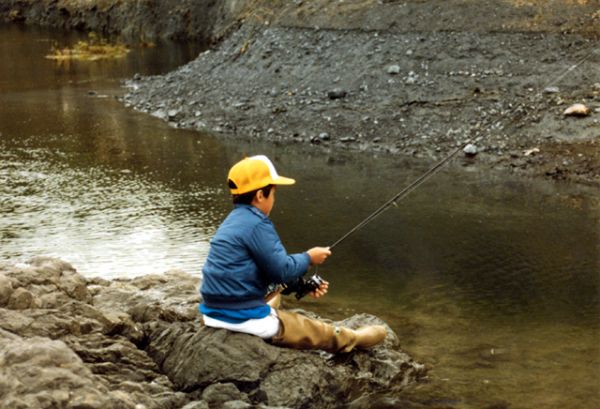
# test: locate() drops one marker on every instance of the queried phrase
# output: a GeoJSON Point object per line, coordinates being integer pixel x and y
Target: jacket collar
{"type": "Point", "coordinates": [252, 209]}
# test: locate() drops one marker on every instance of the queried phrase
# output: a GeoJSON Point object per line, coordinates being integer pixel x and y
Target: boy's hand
{"type": "Point", "coordinates": [321, 291]}
{"type": "Point", "coordinates": [318, 254]}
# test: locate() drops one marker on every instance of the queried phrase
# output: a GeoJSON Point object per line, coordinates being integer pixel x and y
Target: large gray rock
{"type": "Point", "coordinates": [41, 373]}
{"type": "Point", "coordinates": [195, 357]}
{"type": "Point", "coordinates": [68, 342]}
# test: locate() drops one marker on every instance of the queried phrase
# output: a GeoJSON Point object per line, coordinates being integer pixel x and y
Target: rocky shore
{"type": "Point", "coordinates": [71, 342]}
{"type": "Point", "coordinates": [412, 94]}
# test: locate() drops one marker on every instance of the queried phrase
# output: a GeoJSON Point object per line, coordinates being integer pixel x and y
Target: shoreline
{"type": "Point", "coordinates": [408, 79]}
{"type": "Point", "coordinates": [410, 95]}
{"type": "Point", "coordinates": [68, 341]}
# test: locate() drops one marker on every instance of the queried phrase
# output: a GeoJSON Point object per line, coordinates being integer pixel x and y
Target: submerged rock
{"type": "Point", "coordinates": [70, 342]}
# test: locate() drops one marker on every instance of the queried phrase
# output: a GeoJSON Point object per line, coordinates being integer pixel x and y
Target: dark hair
{"type": "Point", "coordinates": [246, 198]}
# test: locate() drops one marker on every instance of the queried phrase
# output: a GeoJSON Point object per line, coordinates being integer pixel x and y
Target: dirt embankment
{"type": "Point", "coordinates": [417, 92]}
{"type": "Point", "coordinates": [130, 20]}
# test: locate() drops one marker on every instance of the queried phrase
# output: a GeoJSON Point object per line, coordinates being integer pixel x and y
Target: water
{"type": "Point", "coordinates": [491, 280]}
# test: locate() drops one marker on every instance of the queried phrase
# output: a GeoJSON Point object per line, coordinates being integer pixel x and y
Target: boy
{"type": "Point", "coordinates": [246, 257]}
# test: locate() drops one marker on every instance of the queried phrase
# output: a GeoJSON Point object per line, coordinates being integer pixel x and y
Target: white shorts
{"type": "Point", "coordinates": [265, 328]}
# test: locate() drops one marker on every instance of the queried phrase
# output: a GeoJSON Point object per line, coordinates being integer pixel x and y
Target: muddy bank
{"type": "Point", "coordinates": [418, 94]}
{"type": "Point", "coordinates": [69, 342]}
{"type": "Point", "coordinates": [133, 21]}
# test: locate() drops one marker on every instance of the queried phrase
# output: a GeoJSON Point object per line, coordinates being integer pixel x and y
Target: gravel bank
{"type": "Point", "coordinates": [419, 94]}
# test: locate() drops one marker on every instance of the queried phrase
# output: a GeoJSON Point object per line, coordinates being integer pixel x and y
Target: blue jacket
{"type": "Point", "coordinates": [245, 257]}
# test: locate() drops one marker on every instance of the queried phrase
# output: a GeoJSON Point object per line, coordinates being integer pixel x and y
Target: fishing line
{"type": "Point", "coordinates": [400, 195]}
{"type": "Point", "coordinates": [434, 169]}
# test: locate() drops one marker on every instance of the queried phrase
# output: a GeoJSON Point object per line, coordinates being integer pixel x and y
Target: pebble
{"type": "Point", "coordinates": [577, 110]}
{"type": "Point", "coordinates": [470, 150]}
{"type": "Point", "coordinates": [393, 69]}
{"type": "Point", "coordinates": [337, 93]}
{"type": "Point", "coordinates": [159, 113]}
{"type": "Point", "coordinates": [324, 136]}
{"type": "Point", "coordinates": [551, 90]}
{"type": "Point", "coordinates": [173, 113]}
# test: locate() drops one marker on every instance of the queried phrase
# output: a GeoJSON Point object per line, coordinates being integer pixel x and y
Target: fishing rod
{"type": "Point", "coordinates": [400, 195]}
{"type": "Point", "coordinates": [302, 286]}
{"type": "Point", "coordinates": [435, 168]}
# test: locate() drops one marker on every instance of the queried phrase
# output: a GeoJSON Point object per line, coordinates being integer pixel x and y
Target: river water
{"type": "Point", "coordinates": [493, 281]}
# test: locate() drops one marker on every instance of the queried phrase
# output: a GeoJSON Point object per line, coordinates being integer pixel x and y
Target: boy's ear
{"type": "Point", "coordinates": [259, 195]}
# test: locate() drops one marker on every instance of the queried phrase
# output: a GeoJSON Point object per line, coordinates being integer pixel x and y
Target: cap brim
{"type": "Point", "coordinates": [281, 180]}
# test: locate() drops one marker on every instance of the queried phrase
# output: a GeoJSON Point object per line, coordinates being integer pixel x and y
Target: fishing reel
{"type": "Point", "coordinates": [302, 286]}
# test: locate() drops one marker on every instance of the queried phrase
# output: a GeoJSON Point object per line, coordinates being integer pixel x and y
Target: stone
{"type": "Point", "coordinates": [236, 404]}
{"type": "Point", "coordinates": [197, 404]}
{"type": "Point", "coordinates": [21, 299]}
{"type": "Point", "coordinates": [139, 343]}
{"type": "Point", "coordinates": [159, 113]}
{"type": "Point", "coordinates": [470, 150]}
{"type": "Point", "coordinates": [393, 69]}
{"type": "Point", "coordinates": [6, 290]}
{"type": "Point", "coordinates": [577, 110]}
{"type": "Point", "coordinates": [173, 113]}
{"type": "Point", "coordinates": [42, 373]}
{"type": "Point", "coordinates": [337, 93]}
{"type": "Point", "coordinates": [219, 393]}
{"type": "Point", "coordinates": [551, 90]}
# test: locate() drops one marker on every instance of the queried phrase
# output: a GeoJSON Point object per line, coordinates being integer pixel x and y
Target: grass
{"type": "Point", "coordinates": [92, 50]}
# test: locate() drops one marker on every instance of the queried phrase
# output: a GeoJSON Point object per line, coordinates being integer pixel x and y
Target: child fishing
{"type": "Point", "coordinates": [246, 258]}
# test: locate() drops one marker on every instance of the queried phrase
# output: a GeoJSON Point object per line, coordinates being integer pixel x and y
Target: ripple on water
{"type": "Point", "coordinates": [103, 221]}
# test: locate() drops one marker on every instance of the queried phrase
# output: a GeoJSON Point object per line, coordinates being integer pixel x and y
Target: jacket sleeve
{"type": "Point", "coordinates": [271, 257]}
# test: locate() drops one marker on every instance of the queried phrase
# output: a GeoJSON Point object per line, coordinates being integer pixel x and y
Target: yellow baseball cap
{"type": "Point", "coordinates": [253, 173]}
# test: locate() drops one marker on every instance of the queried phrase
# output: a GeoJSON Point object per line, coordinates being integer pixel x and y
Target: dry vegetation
{"type": "Point", "coordinates": [91, 50]}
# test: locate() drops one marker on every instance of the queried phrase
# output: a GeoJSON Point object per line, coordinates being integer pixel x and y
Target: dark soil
{"type": "Point", "coordinates": [419, 94]}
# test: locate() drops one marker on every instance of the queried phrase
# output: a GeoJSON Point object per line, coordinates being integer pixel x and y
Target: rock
{"type": "Point", "coordinates": [551, 90]}
{"type": "Point", "coordinates": [139, 343]}
{"type": "Point", "coordinates": [236, 404]}
{"type": "Point", "coordinates": [532, 151]}
{"type": "Point", "coordinates": [324, 136]}
{"type": "Point", "coordinates": [197, 404]}
{"type": "Point", "coordinates": [21, 299]}
{"type": "Point", "coordinates": [6, 290]}
{"type": "Point", "coordinates": [470, 150]}
{"type": "Point", "coordinates": [219, 393]}
{"type": "Point", "coordinates": [393, 69]}
{"type": "Point", "coordinates": [577, 110]}
{"type": "Point", "coordinates": [193, 357]}
{"type": "Point", "coordinates": [41, 373]}
{"type": "Point", "coordinates": [337, 93]}
{"type": "Point", "coordinates": [160, 114]}
{"type": "Point", "coordinates": [173, 113]}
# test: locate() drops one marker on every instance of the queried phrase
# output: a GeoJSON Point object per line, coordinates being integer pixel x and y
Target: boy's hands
{"type": "Point", "coordinates": [321, 291]}
{"type": "Point", "coordinates": [318, 254]}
